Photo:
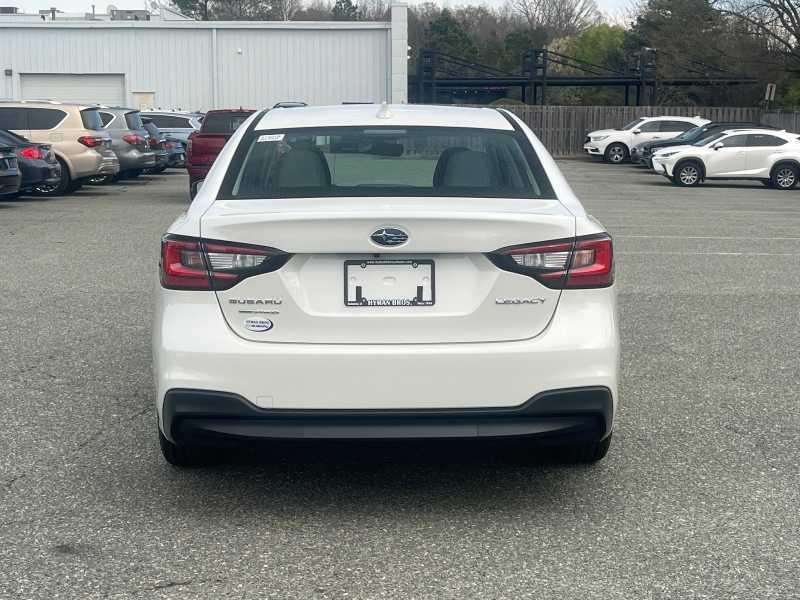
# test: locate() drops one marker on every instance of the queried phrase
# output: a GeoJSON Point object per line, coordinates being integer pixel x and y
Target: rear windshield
{"type": "Point", "coordinates": [385, 161]}
{"type": "Point", "coordinates": [91, 119]}
{"type": "Point", "coordinates": [134, 120]}
{"type": "Point", "coordinates": [224, 122]}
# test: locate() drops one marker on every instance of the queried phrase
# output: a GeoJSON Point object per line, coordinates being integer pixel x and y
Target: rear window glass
{"type": "Point", "coordinates": [106, 118]}
{"type": "Point", "coordinates": [13, 118]}
{"type": "Point", "coordinates": [91, 119]}
{"type": "Point", "coordinates": [134, 120]}
{"type": "Point", "coordinates": [44, 118]}
{"type": "Point", "coordinates": [224, 122]}
{"type": "Point", "coordinates": [167, 121]}
{"type": "Point", "coordinates": [385, 161]}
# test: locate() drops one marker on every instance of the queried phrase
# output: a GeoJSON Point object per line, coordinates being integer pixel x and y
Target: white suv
{"type": "Point", "coordinates": [385, 272]}
{"type": "Point", "coordinates": [614, 145]}
{"type": "Point", "coordinates": [770, 156]}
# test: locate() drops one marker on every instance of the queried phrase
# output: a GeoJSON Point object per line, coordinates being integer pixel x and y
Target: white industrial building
{"type": "Point", "coordinates": [199, 65]}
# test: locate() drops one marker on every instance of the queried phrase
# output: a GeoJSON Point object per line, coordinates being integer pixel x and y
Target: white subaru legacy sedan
{"type": "Point", "coordinates": [387, 272]}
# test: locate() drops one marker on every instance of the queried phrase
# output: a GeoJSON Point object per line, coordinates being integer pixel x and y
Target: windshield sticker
{"type": "Point", "coordinates": [273, 137]}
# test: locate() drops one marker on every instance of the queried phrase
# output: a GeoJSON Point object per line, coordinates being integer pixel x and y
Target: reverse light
{"type": "Point", "coordinates": [584, 262]}
{"type": "Point", "coordinates": [31, 152]}
{"type": "Point", "coordinates": [192, 264]}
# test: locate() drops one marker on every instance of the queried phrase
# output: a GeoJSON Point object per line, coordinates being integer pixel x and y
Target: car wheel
{"type": "Point", "coordinates": [687, 174]}
{"type": "Point", "coordinates": [784, 177]}
{"type": "Point", "coordinates": [56, 189]}
{"type": "Point", "coordinates": [184, 456]}
{"type": "Point", "coordinates": [74, 186]}
{"type": "Point", "coordinates": [587, 452]}
{"type": "Point", "coordinates": [100, 180]}
{"type": "Point", "coordinates": [616, 154]}
{"type": "Point", "coordinates": [766, 182]}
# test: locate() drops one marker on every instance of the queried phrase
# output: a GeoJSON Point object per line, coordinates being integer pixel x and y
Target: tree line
{"type": "Point", "coordinates": [753, 38]}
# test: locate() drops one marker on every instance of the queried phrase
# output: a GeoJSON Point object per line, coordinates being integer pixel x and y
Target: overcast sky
{"type": "Point", "coordinates": [611, 6]}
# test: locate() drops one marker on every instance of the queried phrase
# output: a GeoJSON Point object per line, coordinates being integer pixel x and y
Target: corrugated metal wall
{"type": "Point", "coordinates": [254, 66]}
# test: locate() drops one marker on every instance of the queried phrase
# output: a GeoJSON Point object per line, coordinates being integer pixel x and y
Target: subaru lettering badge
{"type": "Point", "coordinates": [389, 236]}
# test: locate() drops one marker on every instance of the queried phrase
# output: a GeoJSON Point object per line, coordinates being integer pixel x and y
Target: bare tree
{"type": "Point", "coordinates": [284, 10]}
{"type": "Point", "coordinates": [776, 20]}
{"type": "Point", "coordinates": [559, 17]}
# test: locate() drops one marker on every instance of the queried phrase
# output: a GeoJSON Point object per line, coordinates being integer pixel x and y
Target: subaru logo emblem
{"type": "Point", "coordinates": [389, 236]}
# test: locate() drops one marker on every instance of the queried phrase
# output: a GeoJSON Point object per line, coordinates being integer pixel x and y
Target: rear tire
{"type": "Point", "coordinates": [59, 189]}
{"type": "Point", "coordinates": [687, 174]}
{"type": "Point", "coordinates": [784, 177]}
{"type": "Point", "coordinates": [183, 456]}
{"type": "Point", "coordinates": [587, 452]}
{"type": "Point", "coordinates": [616, 154]}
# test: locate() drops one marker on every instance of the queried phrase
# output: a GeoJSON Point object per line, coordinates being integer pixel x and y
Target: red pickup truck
{"type": "Point", "coordinates": [204, 145]}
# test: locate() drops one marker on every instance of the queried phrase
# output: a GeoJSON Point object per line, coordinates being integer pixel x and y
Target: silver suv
{"type": "Point", "coordinates": [129, 140]}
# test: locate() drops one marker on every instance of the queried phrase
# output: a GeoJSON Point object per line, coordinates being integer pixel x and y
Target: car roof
{"type": "Point", "coordinates": [765, 130]}
{"type": "Point", "coordinates": [677, 118]}
{"type": "Point", "coordinates": [44, 104]}
{"type": "Point", "coordinates": [405, 115]}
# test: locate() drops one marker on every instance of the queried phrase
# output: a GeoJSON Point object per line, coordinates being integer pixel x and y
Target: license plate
{"type": "Point", "coordinates": [389, 282]}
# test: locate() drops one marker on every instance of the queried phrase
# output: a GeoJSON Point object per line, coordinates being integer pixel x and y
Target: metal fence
{"type": "Point", "coordinates": [563, 129]}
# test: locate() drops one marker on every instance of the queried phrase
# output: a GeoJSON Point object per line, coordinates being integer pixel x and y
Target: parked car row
{"type": "Point", "coordinates": [57, 147]}
{"type": "Point", "coordinates": [707, 151]}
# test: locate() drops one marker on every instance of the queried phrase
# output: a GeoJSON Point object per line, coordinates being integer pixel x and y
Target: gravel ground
{"type": "Point", "coordinates": [698, 497]}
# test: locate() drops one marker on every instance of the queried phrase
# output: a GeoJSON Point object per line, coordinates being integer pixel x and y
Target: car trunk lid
{"type": "Point", "coordinates": [463, 296]}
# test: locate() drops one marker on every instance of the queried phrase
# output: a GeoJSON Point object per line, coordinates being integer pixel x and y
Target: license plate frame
{"type": "Point", "coordinates": [421, 299]}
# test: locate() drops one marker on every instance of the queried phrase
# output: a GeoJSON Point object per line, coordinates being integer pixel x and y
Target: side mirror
{"type": "Point", "coordinates": [195, 187]}
{"type": "Point", "coordinates": [718, 145]}
{"type": "Point", "coordinates": [636, 131]}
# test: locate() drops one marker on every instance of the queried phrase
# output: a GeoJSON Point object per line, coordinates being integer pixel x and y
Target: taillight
{"type": "Point", "coordinates": [585, 262]}
{"type": "Point", "coordinates": [133, 139]}
{"type": "Point", "coordinates": [31, 152]}
{"type": "Point", "coordinates": [89, 141]}
{"type": "Point", "coordinates": [169, 145]}
{"type": "Point", "coordinates": [153, 142]}
{"type": "Point", "coordinates": [189, 144]}
{"type": "Point", "coordinates": [192, 264]}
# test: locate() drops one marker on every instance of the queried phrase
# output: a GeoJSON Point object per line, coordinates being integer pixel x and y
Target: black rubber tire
{"type": "Point", "coordinates": [101, 180]}
{"type": "Point", "coordinates": [157, 170]}
{"type": "Point", "coordinates": [57, 190]}
{"type": "Point", "coordinates": [766, 182]}
{"type": "Point", "coordinates": [784, 177]}
{"type": "Point", "coordinates": [184, 456]}
{"type": "Point", "coordinates": [616, 154]}
{"type": "Point", "coordinates": [587, 452]}
{"type": "Point", "coordinates": [685, 180]}
{"type": "Point", "coordinates": [74, 186]}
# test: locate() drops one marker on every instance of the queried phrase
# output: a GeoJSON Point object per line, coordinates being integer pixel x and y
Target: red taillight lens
{"type": "Point", "coordinates": [133, 139]}
{"type": "Point", "coordinates": [584, 262]}
{"type": "Point", "coordinates": [169, 145]}
{"type": "Point", "coordinates": [89, 141]}
{"type": "Point", "coordinates": [31, 152]}
{"type": "Point", "coordinates": [191, 264]}
{"type": "Point", "coordinates": [592, 263]}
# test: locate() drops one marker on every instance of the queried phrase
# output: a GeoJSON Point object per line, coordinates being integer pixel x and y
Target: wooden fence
{"type": "Point", "coordinates": [563, 129]}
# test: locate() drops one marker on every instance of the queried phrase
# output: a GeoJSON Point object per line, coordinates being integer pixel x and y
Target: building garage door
{"type": "Point", "coordinates": [88, 89]}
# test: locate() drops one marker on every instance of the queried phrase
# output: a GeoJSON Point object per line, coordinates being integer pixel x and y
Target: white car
{"type": "Point", "coordinates": [770, 156]}
{"type": "Point", "coordinates": [614, 145]}
{"type": "Point", "coordinates": [385, 272]}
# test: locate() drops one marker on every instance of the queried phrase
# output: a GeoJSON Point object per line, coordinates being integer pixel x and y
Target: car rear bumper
{"type": "Point", "coordinates": [9, 184]}
{"type": "Point", "coordinates": [195, 417]}
{"type": "Point", "coordinates": [194, 349]}
{"type": "Point", "coordinates": [40, 172]}
{"type": "Point", "coordinates": [133, 159]}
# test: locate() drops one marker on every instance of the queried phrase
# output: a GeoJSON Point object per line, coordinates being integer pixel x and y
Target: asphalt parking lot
{"type": "Point", "coordinates": [698, 497]}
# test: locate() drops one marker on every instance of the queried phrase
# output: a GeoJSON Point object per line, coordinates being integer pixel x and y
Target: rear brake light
{"type": "Point", "coordinates": [31, 152]}
{"type": "Point", "coordinates": [585, 262]}
{"type": "Point", "coordinates": [133, 139]}
{"type": "Point", "coordinates": [89, 141]}
{"type": "Point", "coordinates": [192, 264]}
